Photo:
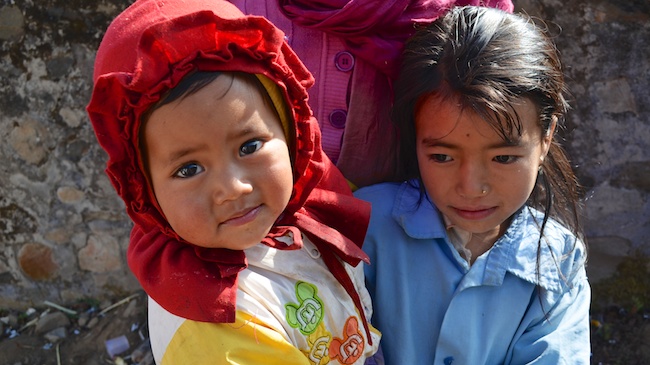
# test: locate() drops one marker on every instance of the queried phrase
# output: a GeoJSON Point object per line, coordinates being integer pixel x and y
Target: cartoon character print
{"type": "Point", "coordinates": [319, 342]}
{"type": "Point", "coordinates": [350, 348]}
{"type": "Point", "coordinates": [308, 313]}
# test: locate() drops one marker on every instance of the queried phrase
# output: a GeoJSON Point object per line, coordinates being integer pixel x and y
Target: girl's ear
{"type": "Point", "coordinates": [548, 138]}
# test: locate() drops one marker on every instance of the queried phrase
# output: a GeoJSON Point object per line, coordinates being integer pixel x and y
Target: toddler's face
{"type": "Point", "coordinates": [219, 164]}
{"type": "Point", "coordinates": [472, 175]}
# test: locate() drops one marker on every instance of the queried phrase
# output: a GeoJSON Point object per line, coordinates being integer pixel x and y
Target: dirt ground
{"type": "Point", "coordinates": [619, 336]}
{"type": "Point", "coordinates": [84, 337]}
{"type": "Point", "coordinates": [620, 315]}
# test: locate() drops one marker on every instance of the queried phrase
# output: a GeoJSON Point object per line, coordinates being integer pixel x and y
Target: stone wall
{"type": "Point", "coordinates": [606, 51]}
{"type": "Point", "coordinates": [64, 233]}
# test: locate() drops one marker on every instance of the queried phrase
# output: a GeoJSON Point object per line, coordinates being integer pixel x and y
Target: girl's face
{"type": "Point", "coordinates": [473, 176]}
{"type": "Point", "coordinates": [219, 164]}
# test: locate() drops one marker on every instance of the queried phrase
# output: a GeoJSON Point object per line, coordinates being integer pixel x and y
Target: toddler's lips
{"type": "Point", "coordinates": [243, 217]}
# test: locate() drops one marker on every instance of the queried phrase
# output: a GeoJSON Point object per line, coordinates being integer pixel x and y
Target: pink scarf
{"type": "Point", "coordinates": [375, 30]}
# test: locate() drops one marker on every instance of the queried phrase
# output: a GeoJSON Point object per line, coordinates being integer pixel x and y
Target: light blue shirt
{"type": "Point", "coordinates": [433, 308]}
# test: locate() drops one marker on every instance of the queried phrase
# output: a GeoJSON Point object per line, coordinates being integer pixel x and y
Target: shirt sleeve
{"type": "Point", "coordinates": [248, 341]}
{"type": "Point", "coordinates": [563, 336]}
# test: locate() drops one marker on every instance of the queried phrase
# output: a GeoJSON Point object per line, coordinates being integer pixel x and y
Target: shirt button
{"type": "Point", "coordinates": [338, 118]}
{"type": "Point", "coordinates": [344, 61]}
{"type": "Point", "coordinates": [448, 360]}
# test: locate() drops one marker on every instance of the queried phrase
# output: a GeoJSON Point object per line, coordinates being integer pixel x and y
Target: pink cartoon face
{"type": "Point", "coordinates": [350, 348]}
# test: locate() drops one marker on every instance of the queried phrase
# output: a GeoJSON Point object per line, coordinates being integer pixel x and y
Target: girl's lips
{"type": "Point", "coordinates": [474, 213]}
{"type": "Point", "coordinates": [243, 217]}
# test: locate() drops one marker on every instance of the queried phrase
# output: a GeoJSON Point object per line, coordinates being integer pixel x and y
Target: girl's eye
{"type": "Point", "coordinates": [439, 157]}
{"type": "Point", "coordinates": [506, 159]}
{"type": "Point", "coordinates": [250, 147]}
{"type": "Point", "coordinates": [189, 170]}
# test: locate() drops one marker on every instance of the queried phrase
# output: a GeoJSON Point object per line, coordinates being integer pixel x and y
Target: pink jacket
{"type": "Point", "coordinates": [352, 48]}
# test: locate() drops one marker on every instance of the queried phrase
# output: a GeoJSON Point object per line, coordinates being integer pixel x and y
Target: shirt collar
{"type": "Point", "coordinates": [415, 213]}
{"type": "Point", "coordinates": [515, 252]}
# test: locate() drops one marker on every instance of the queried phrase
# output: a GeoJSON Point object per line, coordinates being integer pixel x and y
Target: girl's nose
{"type": "Point", "coordinates": [472, 180]}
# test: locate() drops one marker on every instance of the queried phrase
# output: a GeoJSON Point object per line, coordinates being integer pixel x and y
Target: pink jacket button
{"type": "Point", "coordinates": [344, 61]}
{"type": "Point", "coordinates": [338, 118]}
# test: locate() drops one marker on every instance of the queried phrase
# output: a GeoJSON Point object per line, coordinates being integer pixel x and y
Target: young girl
{"type": "Point", "coordinates": [246, 237]}
{"type": "Point", "coordinates": [478, 258]}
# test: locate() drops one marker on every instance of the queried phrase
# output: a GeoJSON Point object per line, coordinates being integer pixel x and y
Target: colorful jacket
{"type": "Point", "coordinates": [433, 308]}
{"type": "Point", "coordinates": [290, 310]}
{"type": "Point", "coordinates": [145, 52]}
{"type": "Point", "coordinates": [352, 47]}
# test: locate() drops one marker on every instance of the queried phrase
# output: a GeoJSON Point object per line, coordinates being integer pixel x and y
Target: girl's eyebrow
{"type": "Point", "coordinates": [434, 142]}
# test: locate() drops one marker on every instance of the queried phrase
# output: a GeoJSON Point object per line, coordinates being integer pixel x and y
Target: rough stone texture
{"type": "Point", "coordinates": [36, 261]}
{"type": "Point", "coordinates": [606, 253]}
{"type": "Point", "coordinates": [11, 23]}
{"type": "Point", "coordinates": [51, 321]}
{"type": "Point", "coordinates": [64, 233]}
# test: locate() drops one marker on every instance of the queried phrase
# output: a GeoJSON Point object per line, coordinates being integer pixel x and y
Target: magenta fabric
{"type": "Point", "coordinates": [374, 30]}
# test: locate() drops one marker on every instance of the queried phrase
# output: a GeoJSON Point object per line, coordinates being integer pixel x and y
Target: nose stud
{"type": "Point", "coordinates": [484, 191]}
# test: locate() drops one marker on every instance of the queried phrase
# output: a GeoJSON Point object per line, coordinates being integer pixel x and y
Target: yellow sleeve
{"type": "Point", "coordinates": [245, 342]}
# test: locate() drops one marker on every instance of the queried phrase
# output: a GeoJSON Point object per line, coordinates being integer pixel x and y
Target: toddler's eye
{"type": "Point", "coordinates": [505, 159]}
{"type": "Point", "coordinates": [189, 170]}
{"type": "Point", "coordinates": [250, 147]}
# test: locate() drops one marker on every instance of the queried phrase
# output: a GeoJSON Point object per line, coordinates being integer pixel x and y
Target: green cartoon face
{"type": "Point", "coordinates": [307, 314]}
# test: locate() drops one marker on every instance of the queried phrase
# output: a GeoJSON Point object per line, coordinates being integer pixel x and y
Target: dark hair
{"type": "Point", "coordinates": [195, 81]}
{"type": "Point", "coordinates": [488, 60]}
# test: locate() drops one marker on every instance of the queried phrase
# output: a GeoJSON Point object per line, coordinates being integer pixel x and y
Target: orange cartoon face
{"type": "Point", "coordinates": [350, 348]}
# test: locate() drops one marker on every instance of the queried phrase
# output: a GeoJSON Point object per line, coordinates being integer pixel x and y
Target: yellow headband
{"type": "Point", "coordinates": [280, 104]}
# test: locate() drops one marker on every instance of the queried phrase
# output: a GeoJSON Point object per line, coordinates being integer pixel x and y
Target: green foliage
{"type": "Point", "coordinates": [90, 302]}
{"type": "Point", "coordinates": [628, 288]}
